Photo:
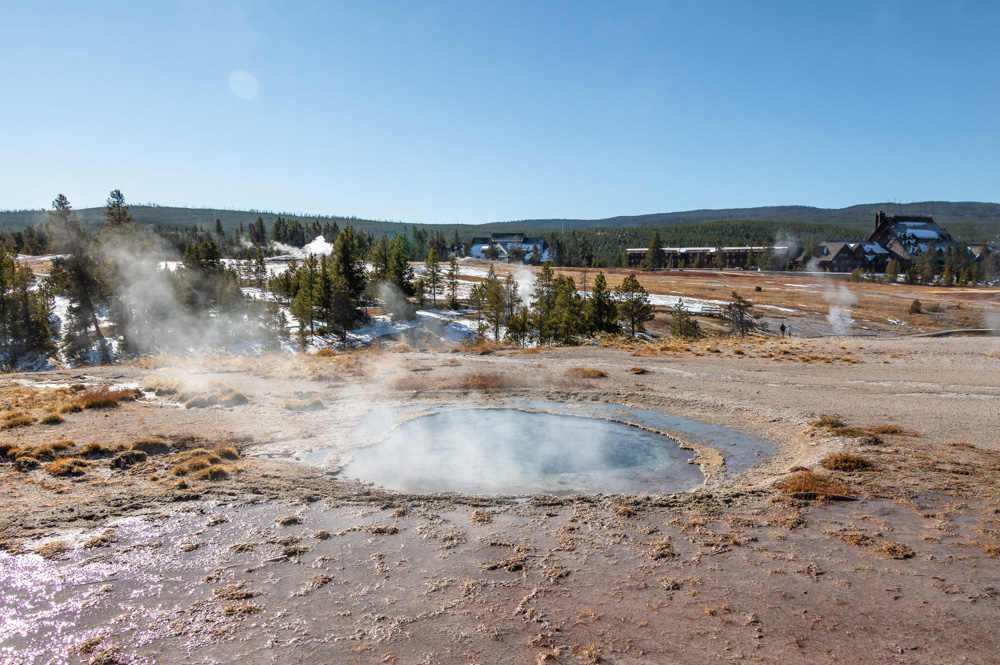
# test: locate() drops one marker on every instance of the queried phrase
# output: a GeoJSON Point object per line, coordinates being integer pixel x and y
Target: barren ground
{"type": "Point", "coordinates": [277, 561]}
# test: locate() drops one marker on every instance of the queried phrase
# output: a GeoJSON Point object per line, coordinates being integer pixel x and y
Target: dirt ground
{"type": "Point", "coordinates": [277, 561]}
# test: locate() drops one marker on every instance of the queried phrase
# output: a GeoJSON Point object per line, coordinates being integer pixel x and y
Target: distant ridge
{"type": "Point", "coordinates": [968, 220]}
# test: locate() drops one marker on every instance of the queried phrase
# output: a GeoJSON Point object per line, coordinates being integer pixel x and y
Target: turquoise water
{"type": "Point", "coordinates": [507, 451]}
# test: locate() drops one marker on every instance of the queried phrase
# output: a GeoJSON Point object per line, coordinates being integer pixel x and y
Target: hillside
{"type": "Point", "coordinates": [968, 221]}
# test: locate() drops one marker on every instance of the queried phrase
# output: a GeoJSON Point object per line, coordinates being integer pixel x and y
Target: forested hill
{"type": "Point", "coordinates": [968, 215]}
{"type": "Point", "coordinates": [970, 221]}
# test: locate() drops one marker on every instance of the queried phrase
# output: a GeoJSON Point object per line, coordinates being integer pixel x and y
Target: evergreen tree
{"type": "Point", "coordinates": [24, 313]}
{"type": "Point", "coordinates": [433, 272]}
{"type": "Point", "coordinates": [76, 274]}
{"type": "Point", "coordinates": [453, 282]}
{"type": "Point", "coordinates": [892, 271]}
{"type": "Point", "coordinates": [116, 211]}
{"type": "Point", "coordinates": [543, 304]}
{"type": "Point", "coordinates": [600, 312]}
{"type": "Point", "coordinates": [655, 256]}
{"type": "Point", "coordinates": [682, 324]}
{"type": "Point", "coordinates": [633, 304]}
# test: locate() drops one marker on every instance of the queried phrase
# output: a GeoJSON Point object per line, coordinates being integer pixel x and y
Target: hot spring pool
{"type": "Point", "coordinates": [508, 451]}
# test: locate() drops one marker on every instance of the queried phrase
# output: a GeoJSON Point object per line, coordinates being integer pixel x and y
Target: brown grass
{"type": "Point", "coordinates": [662, 549]}
{"type": "Point", "coordinates": [199, 402]}
{"type": "Point", "coordinates": [214, 472]}
{"type": "Point", "coordinates": [67, 466]}
{"type": "Point", "coordinates": [227, 452]}
{"type": "Point", "coordinates": [640, 370]}
{"type": "Point", "coordinates": [95, 449]}
{"type": "Point", "coordinates": [585, 373]}
{"type": "Point", "coordinates": [73, 407]}
{"type": "Point", "coordinates": [124, 460]}
{"type": "Point", "coordinates": [23, 464]}
{"type": "Point", "coordinates": [51, 450]}
{"type": "Point", "coordinates": [846, 462]}
{"type": "Point", "coordinates": [53, 549]}
{"type": "Point", "coordinates": [322, 534]}
{"type": "Point", "coordinates": [105, 399]}
{"type": "Point", "coordinates": [314, 404]}
{"type": "Point", "coordinates": [17, 419]}
{"type": "Point", "coordinates": [483, 382]}
{"type": "Point", "coordinates": [234, 399]}
{"type": "Point", "coordinates": [289, 520]}
{"type": "Point", "coordinates": [52, 419]}
{"type": "Point", "coordinates": [810, 481]}
{"type": "Point", "coordinates": [234, 592]}
{"type": "Point", "coordinates": [9, 451]}
{"type": "Point", "coordinates": [151, 446]}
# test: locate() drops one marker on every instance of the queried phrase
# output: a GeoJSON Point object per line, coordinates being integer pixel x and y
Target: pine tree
{"type": "Point", "coordinates": [433, 272]}
{"type": "Point", "coordinates": [655, 256]}
{"type": "Point", "coordinates": [633, 304]}
{"type": "Point", "coordinates": [600, 312]}
{"type": "Point", "coordinates": [682, 324]}
{"type": "Point", "coordinates": [453, 282]}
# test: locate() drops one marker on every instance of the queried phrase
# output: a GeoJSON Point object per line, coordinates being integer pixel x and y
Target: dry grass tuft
{"type": "Point", "coordinates": [585, 373]}
{"type": "Point", "coordinates": [322, 534]}
{"type": "Point", "coordinates": [54, 549]}
{"type": "Point", "coordinates": [234, 592]}
{"type": "Point", "coordinates": [151, 446]}
{"type": "Point", "coordinates": [125, 459]}
{"type": "Point", "coordinates": [227, 452]}
{"type": "Point", "coordinates": [483, 382]}
{"type": "Point", "coordinates": [199, 402]}
{"type": "Point", "coordinates": [240, 609]}
{"type": "Point", "coordinates": [992, 551]}
{"type": "Point", "coordinates": [51, 450]}
{"type": "Point", "coordinates": [106, 537]}
{"type": "Point", "coordinates": [895, 550]}
{"type": "Point", "coordinates": [71, 408]}
{"type": "Point", "coordinates": [67, 466]}
{"type": "Point", "coordinates": [640, 370]}
{"type": "Point", "coordinates": [105, 399]}
{"type": "Point", "coordinates": [234, 399]}
{"type": "Point", "coordinates": [52, 419]}
{"type": "Point", "coordinates": [23, 464]}
{"type": "Point", "coordinates": [215, 472]}
{"type": "Point", "coordinates": [625, 511]}
{"type": "Point", "coordinates": [16, 419]}
{"type": "Point", "coordinates": [289, 520]}
{"type": "Point", "coordinates": [811, 482]}
{"type": "Point", "coordinates": [314, 404]}
{"type": "Point", "coordinates": [95, 449]}
{"type": "Point", "coordinates": [828, 422]}
{"type": "Point", "coordinates": [846, 462]}
{"type": "Point", "coordinates": [9, 451]}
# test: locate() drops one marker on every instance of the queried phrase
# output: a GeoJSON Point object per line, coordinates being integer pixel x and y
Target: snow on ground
{"type": "Point", "coordinates": [692, 305]}
{"type": "Point", "coordinates": [775, 307]}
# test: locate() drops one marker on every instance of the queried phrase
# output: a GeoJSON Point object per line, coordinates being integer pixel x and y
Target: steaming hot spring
{"type": "Point", "coordinates": [539, 448]}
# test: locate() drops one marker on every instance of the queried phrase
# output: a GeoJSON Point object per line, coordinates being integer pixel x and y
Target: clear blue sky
{"type": "Point", "coordinates": [475, 111]}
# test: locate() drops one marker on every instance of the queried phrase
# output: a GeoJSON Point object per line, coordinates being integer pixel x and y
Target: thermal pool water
{"type": "Point", "coordinates": [509, 451]}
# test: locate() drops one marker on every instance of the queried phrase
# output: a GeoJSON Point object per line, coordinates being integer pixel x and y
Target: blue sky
{"type": "Point", "coordinates": [482, 111]}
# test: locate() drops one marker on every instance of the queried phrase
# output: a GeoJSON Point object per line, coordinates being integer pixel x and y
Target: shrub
{"type": "Point", "coordinates": [845, 462]}
{"type": "Point", "coordinates": [52, 419]}
{"type": "Point", "coordinates": [915, 307]}
{"type": "Point", "coordinates": [235, 399]}
{"type": "Point", "coordinates": [67, 466]}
